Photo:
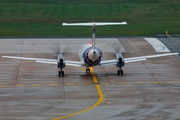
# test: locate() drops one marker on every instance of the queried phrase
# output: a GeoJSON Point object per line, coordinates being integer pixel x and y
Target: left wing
{"type": "Point", "coordinates": [48, 61]}
{"type": "Point", "coordinates": [134, 59]}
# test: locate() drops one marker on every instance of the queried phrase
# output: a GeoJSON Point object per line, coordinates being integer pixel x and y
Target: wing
{"type": "Point", "coordinates": [114, 62]}
{"type": "Point", "coordinates": [134, 59]}
{"type": "Point", "coordinates": [48, 61]}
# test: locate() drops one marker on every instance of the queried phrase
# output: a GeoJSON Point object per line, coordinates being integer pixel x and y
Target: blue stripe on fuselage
{"type": "Point", "coordinates": [88, 62]}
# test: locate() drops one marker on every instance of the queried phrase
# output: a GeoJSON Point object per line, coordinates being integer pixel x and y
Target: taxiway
{"type": "Point", "coordinates": [33, 91]}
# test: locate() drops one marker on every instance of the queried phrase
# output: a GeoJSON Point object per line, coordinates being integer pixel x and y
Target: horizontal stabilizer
{"type": "Point", "coordinates": [94, 24]}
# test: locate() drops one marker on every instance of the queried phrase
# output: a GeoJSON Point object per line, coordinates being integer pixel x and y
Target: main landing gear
{"type": "Point", "coordinates": [120, 63]}
{"type": "Point", "coordinates": [60, 66]}
{"type": "Point", "coordinates": [120, 71]}
{"type": "Point", "coordinates": [61, 73]}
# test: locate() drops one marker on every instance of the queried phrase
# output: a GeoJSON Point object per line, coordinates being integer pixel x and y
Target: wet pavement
{"type": "Point", "coordinates": [33, 91]}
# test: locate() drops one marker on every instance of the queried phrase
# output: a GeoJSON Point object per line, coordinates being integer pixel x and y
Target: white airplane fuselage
{"type": "Point", "coordinates": [90, 57]}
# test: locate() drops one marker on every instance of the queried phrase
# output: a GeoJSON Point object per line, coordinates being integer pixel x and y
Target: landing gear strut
{"type": "Point", "coordinates": [120, 71]}
{"type": "Point", "coordinates": [60, 66]}
{"type": "Point", "coordinates": [119, 65]}
{"type": "Point", "coordinates": [61, 72]}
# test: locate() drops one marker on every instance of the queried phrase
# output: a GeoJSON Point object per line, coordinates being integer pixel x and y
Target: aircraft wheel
{"type": "Point", "coordinates": [62, 73]}
{"type": "Point", "coordinates": [87, 70]}
{"type": "Point", "coordinates": [118, 72]}
{"type": "Point", "coordinates": [59, 73]}
{"type": "Point", "coordinates": [121, 72]}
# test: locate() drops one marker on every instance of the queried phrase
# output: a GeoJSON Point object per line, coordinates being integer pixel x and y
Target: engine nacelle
{"type": "Point", "coordinates": [61, 63]}
{"type": "Point", "coordinates": [120, 60]}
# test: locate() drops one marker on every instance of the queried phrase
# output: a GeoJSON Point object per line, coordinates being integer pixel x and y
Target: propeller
{"type": "Point", "coordinates": [60, 48]}
{"type": "Point", "coordinates": [64, 49]}
{"type": "Point", "coordinates": [115, 47]}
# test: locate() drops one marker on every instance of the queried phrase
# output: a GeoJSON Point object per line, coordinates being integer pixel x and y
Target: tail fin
{"type": "Point", "coordinates": [93, 37]}
{"type": "Point", "coordinates": [93, 24]}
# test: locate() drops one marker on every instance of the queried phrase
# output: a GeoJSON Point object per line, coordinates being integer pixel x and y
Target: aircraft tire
{"type": "Point", "coordinates": [62, 73]}
{"type": "Point", "coordinates": [87, 70]}
{"type": "Point", "coordinates": [118, 72]}
{"type": "Point", "coordinates": [121, 72]}
{"type": "Point", "coordinates": [59, 73]}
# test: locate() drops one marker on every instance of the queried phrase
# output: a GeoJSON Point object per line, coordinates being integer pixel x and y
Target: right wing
{"type": "Point", "coordinates": [134, 59]}
{"type": "Point", "coordinates": [114, 62]}
{"type": "Point", "coordinates": [48, 61]}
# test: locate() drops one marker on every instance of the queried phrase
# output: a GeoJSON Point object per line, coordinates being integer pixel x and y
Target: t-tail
{"type": "Point", "coordinates": [93, 24]}
{"type": "Point", "coordinates": [93, 36]}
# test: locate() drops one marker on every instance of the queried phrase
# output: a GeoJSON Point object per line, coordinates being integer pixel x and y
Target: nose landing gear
{"type": "Point", "coordinates": [87, 69]}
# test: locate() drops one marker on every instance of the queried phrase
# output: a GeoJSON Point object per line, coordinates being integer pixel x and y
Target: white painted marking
{"type": "Point", "coordinates": [157, 45]}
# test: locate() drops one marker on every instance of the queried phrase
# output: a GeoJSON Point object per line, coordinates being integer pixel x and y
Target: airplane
{"type": "Point", "coordinates": [90, 55]}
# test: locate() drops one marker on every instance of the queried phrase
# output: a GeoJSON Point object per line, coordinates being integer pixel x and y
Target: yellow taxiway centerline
{"type": "Point", "coordinates": [101, 98]}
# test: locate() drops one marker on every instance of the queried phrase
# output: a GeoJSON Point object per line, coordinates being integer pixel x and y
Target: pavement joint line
{"type": "Point", "coordinates": [114, 83]}
{"type": "Point", "coordinates": [3, 85]}
{"type": "Point", "coordinates": [101, 98]}
{"type": "Point", "coordinates": [54, 84]}
{"type": "Point", "coordinates": [105, 83]}
{"type": "Point", "coordinates": [139, 82]}
{"type": "Point", "coordinates": [96, 83]}
{"type": "Point", "coordinates": [122, 82]}
{"type": "Point", "coordinates": [156, 82]}
{"type": "Point", "coordinates": [19, 85]}
{"type": "Point", "coordinates": [79, 83]}
{"type": "Point", "coordinates": [69, 84]}
{"type": "Point", "coordinates": [173, 82]}
{"type": "Point", "coordinates": [36, 84]}
{"type": "Point", "coordinates": [160, 82]}
{"type": "Point", "coordinates": [90, 83]}
{"type": "Point", "coordinates": [45, 84]}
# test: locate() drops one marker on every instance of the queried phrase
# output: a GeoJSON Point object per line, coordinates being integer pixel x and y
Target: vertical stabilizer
{"type": "Point", "coordinates": [93, 24]}
{"type": "Point", "coordinates": [93, 37]}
